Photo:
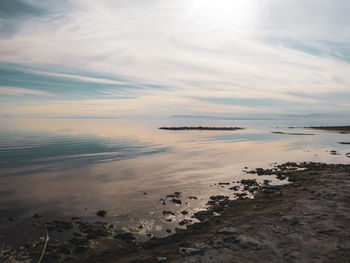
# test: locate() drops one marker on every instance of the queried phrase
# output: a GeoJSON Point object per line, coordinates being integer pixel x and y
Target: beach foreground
{"type": "Point", "coordinates": [307, 220]}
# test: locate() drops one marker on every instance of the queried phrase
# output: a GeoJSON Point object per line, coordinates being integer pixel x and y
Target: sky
{"type": "Point", "coordinates": [154, 58]}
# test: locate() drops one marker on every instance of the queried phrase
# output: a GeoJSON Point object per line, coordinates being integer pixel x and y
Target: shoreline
{"type": "Point", "coordinates": [306, 220]}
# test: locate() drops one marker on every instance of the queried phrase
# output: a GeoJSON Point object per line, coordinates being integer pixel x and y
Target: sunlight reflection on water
{"type": "Point", "coordinates": [76, 167]}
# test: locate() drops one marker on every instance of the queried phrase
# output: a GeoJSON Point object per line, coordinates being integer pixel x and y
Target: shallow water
{"type": "Point", "coordinates": [74, 167]}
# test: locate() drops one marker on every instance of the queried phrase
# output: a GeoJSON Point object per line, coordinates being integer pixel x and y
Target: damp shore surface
{"type": "Point", "coordinates": [305, 220]}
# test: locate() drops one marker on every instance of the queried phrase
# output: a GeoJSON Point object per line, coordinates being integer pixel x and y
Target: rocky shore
{"type": "Point", "coordinates": [306, 220]}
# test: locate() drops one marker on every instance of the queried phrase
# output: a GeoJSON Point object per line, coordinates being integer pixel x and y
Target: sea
{"type": "Point", "coordinates": [74, 167]}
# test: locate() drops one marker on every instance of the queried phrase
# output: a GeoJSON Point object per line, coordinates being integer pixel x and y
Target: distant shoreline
{"type": "Point", "coordinates": [340, 129]}
{"type": "Point", "coordinates": [202, 128]}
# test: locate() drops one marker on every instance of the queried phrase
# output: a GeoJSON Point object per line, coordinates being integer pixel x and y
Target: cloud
{"type": "Point", "coordinates": [14, 91]}
{"type": "Point", "coordinates": [207, 56]}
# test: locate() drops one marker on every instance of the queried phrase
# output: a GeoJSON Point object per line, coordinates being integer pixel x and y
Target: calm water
{"type": "Point", "coordinates": [74, 167]}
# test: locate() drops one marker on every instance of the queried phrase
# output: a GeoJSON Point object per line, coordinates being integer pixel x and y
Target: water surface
{"type": "Point", "coordinates": [75, 167]}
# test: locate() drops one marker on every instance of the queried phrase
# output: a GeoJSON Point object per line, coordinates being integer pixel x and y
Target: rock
{"type": "Point", "coordinates": [184, 212]}
{"type": "Point", "coordinates": [249, 182]}
{"type": "Point", "coordinates": [218, 197]}
{"type": "Point", "coordinates": [241, 195]}
{"type": "Point", "coordinates": [192, 197]}
{"type": "Point", "coordinates": [267, 182]}
{"type": "Point", "coordinates": [176, 201]}
{"type": "Point", "coordinates": [176, 194]}
{"type": "Point", "coordinates": [224, 183]}
{"type": "Point", "coordinates": [168, 213]}
{"type": "Point", "coordinates": [161, 259]}
{"type": "Point", "coordinates": [184, 222]}
{"type": "Point", "coordinates": [97, 229]}
{"type": "Point", "coordinates": [168, 230]}
{"type": "Point", "coordinates": [101, 213]}
{"type": "Point", "coordinates": [202, 215]}
{"type": "Point", "coordinates": [234, 188]}
{"type": "Point", "coordinates": [37, 215]}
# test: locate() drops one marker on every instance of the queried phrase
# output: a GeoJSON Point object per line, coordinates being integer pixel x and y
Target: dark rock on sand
{"type": "Point", "coordinates": [234, 188]}
{"type": "Point", "coordinates": [97, 229]}
{"type": "Point", "coordinates": [249, 182]}
{"type": "Point", "coordinates": [168, 213]}
{"type": "Point", "coordinates": [176, 201]}
{"type": "Point", "coordinates": [184, 222]}
{"type": "Point", "coordinates": [101, 213]}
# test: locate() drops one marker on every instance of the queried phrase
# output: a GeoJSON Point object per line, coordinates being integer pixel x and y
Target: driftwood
{"type": "Point", "coordinates": [45, 244]}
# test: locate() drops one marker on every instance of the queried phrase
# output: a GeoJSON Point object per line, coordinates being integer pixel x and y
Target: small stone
{"type": "Point", "coordinates": [101, 213]}
{"type": "Point", "coordinates": [176, 201]}
{"type": "Point", "coordinates": [168, 213]}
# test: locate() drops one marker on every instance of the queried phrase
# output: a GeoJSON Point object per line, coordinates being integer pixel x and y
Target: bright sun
{"type": "Point", "coordinates": [230, 13]}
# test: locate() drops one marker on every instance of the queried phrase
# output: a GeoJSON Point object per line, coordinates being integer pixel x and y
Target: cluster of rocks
{"type": "Point", "coordinates": [170, 215]}
{"type": "Point", "coordinates": [79, 238]}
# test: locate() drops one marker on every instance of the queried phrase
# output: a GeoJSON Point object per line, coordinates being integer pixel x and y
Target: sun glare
{"type": "Point", "coordinates": [226, 13]}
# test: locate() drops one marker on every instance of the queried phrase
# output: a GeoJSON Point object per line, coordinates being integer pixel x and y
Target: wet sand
{"type": "Point", "coordinates": [307, 220]}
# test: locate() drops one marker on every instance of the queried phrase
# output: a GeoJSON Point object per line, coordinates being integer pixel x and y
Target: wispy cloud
{"type": "Point", "coordinates": [208, 56]}
{"type": "Point", "coordinates": [14, 91]}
